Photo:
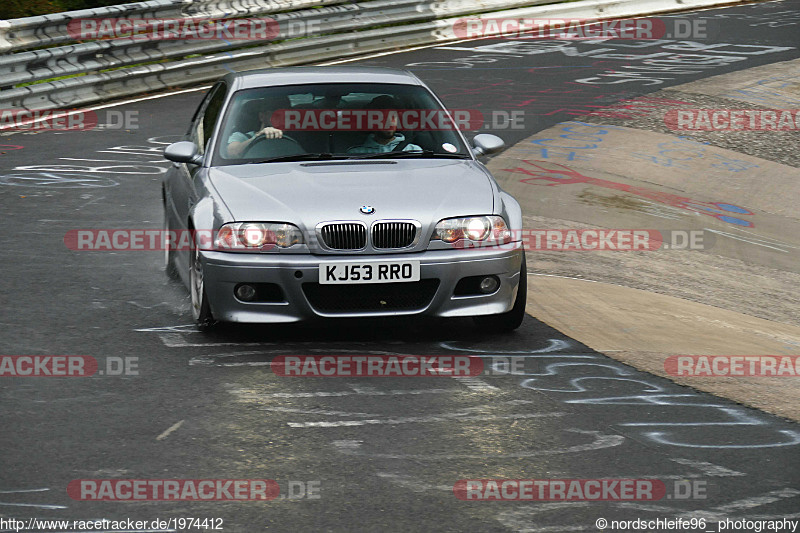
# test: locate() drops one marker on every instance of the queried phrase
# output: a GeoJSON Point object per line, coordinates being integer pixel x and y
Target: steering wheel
{"type": "Point", "coordinates": [274, 148]}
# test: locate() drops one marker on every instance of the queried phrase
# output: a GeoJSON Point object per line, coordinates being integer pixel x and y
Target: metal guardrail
{"type": "Point", "coordinates": [349, 30]}
{"type": "Point", "coordinates": [48, 30]}
{"type": "Point", "coordinates": [101, 55]}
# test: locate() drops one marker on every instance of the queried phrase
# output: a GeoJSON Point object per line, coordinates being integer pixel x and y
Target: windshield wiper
{"type": "Point", "coordinates": [408, 153]}
{"type": "Point", "coordinates": [296, 157]}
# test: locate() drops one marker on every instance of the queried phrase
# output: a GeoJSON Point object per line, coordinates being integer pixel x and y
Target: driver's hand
{"type": "Point", "coordinates": [271, 133]}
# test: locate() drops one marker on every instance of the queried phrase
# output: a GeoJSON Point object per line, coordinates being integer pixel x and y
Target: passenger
{"type": "Point", "coordinates": [379, 142]}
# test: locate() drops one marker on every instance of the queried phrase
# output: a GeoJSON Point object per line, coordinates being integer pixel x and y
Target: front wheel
{"type": "Point", "coordinates": [510, 320]}
{"type": "Point", "coordinates": [201, 311]}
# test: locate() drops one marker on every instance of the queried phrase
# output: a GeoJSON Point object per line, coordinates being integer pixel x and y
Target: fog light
{"type": "Point", "coordinates": [489, 284]}
{"type": "Point", "coordinates": [246, 293]}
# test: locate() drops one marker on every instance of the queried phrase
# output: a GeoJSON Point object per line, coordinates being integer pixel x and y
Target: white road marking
{"type": "Point", "coordinates": [553, 345]}
{"type": "Point", "coordinates": [408, 482]}
{"type": "Point", "coordinates": [757, 501]}
{"type": "Point", "coordinates": [709, 469]}
{"type": "Point", "coordinates": [169, 430]}
{"type": "Point", "coordinates": [793, 439]}
{"type": "Point", "coordinates": [419, 420]}
{"type": "Point", "coordinates": [476, 384]}
{"type": "Point", "coordinates": [210, 361]}
{"type": "Point", "coordinates": [104, 106]}
{"type": "Point", "coordinates": [177, 340]}
{"type": "Point", "coordinates": [313, 411]}
{"type": "Point", "coordinates": [720, 513]}
{"type": "Point", "coordinates": [758, 241]}
{"type": "Point", "coordinates": [25, 491]}
{"type": "Point", "coordinates": [37, 505]}
{"type": "Point", "coordinates": [601, 441]}
{"type": "Point", "coordinates": [328, 394]}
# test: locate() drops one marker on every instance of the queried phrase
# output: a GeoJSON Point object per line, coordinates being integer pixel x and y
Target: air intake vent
{"type": "Point", "coordinates": [393, 234]}
{"type": "Point", "coordinates": [371, 297]}
{"type": "Point", "coordinates": [344, 236]}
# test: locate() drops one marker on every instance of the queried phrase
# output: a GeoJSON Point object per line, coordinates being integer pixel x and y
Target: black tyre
{"type": "Point", "coordinates": [169, 255]}
{"type": "Point", "coordinates": [201, 310]}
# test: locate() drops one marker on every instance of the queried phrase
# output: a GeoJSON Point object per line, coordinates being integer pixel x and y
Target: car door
{"type": "Point", "coordinates": [182, 189]}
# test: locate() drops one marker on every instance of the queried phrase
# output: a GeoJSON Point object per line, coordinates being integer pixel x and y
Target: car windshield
{"type": "Point", "coordinates": [338, 121]}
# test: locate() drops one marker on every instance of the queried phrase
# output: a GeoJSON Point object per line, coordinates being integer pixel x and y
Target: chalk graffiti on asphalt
{"type": "Point", "coordinates": [776, 19]}
{"type": "Point", "coordinates": [588, 382]}
{"type": "Point", "coordinates": [666, 59]}
{"type": "Point", "coordinates": [92, 172]}
{"type": "Point", "coordinates": [49, 180]}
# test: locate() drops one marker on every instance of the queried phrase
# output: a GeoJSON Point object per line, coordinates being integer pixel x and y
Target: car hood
{"type": "Point", "coordinates": [308, 193]}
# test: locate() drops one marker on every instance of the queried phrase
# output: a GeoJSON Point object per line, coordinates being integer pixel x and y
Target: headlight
{"type": "Point", "coordinates": [257, 235]}
{"type": "Point", "coordinates": [488, 229]}
{"type": "Point", "coordinates": [477, 229]}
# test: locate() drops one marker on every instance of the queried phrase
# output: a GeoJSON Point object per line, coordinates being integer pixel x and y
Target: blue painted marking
{"type": "Point", "coordinates": [733, 208]}
{"type": "Point", "coordinates": [734, 220]}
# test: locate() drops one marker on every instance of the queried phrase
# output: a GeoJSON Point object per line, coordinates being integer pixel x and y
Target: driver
{"type": "Point", "coordinates": [239, 142]}
{"type": "Point", "coordinates": [380, 142]}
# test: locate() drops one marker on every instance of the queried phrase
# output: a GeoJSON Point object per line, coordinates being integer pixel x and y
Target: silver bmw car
{"type": "Point", "coordinates": [333, 192]}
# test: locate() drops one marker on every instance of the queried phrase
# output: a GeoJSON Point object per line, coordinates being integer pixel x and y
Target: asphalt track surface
{"type": "Point", "coordinates": [385, 453]}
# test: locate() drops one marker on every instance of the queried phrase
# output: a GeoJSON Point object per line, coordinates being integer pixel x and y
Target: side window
{"type": "Point", "coordinates": [206, 121]}
{"type": "Point", "coordinates": [212, 113]}
{"type": "Point", "coordinates": [198, 111]}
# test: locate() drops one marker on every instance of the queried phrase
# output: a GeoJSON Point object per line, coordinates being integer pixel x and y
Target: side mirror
{"type": "Point", "coordinates": [485, 144]}
{"type": "Point", "coordinates": [183, 152]}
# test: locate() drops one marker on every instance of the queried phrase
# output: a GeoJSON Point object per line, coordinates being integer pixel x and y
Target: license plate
{"type": "Point", "coordinates": [368, 272]}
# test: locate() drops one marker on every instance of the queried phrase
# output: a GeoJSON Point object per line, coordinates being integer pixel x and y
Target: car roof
{"type": "Point", "coordinates": [302, 75]}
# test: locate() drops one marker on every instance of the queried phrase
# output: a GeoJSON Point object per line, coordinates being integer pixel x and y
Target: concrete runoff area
{"type": "Point", "coordinates": [737, 297]}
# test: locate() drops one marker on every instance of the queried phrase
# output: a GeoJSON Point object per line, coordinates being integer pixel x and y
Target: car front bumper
{"type": "Point", "coordinates": [223, 271]}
